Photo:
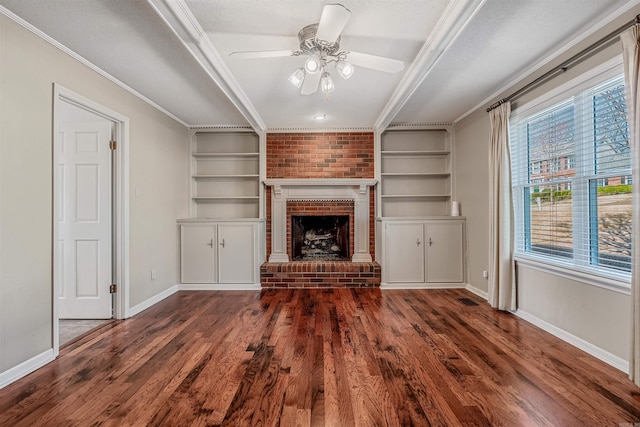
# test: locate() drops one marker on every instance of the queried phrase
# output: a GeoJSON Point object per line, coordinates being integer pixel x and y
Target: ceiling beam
{"type": "Point", "coordinates": [179, 18]}
{"type": "Point", "coordinates": [455, 18]}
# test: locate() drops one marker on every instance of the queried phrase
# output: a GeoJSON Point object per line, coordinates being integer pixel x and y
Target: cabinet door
{"type": "Point", "coordinates": [198, 253]}
{"type": "Point", "coordinates": [404, 253]}
{"type": "Point", "coordinates": [444, 252]}
{"type": "Point", "coordinates": [236, 252]}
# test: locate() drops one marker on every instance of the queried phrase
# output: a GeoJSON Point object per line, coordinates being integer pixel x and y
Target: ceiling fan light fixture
{"type": "Point", "coordinates": [297, 77]}
{"type": "Point", "coordinates": [319, 45]}
{"type": "Point", "coordinates": [312, 64]}
{"type": "Point", "coordinates": [345, 69]}
{"type": "Point", "coordinates": [326, 83]}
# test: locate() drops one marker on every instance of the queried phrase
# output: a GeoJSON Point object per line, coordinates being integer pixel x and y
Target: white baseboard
{"type": "Point", "coordinates": [421, 285]}
{"type": "Point", "coordinates": [595, 351]}
{"type": "Point", "coordinates": [191, 287]}
{"type": "Point", "coordinates": [220, 286]}
{"type": "Point", "coordinates": [151, 301]}
{"type": "Point", "coordinates": [480, 293]}
{"type": "Point", "coordinates": [26, 367]}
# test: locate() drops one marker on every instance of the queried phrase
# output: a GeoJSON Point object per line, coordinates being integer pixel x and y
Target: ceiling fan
{"type": "Point", "coordinates": [321, 44]}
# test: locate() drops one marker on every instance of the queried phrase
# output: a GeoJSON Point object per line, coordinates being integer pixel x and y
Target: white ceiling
{"type": "Point", "coordinates": [457, 53]}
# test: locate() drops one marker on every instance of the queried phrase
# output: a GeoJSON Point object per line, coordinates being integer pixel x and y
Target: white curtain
{"type": "Point", "coordinates": [630, 52]}
{"type": "Point", "coordinates": [502, 289]}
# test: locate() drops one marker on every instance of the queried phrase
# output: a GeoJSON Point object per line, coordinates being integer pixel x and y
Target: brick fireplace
{"type": "Point", "coordinates": [317, 175]}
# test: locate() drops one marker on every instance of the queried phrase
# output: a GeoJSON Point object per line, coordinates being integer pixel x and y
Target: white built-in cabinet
{"type": "Point", "coordinates": [418, 243]}
{"type": "Point", "coordinates": [222, 244]}
{"type": "Point", "coordinates": [422, 252]}
{"type": "Point", "coordinates": [227, 253]}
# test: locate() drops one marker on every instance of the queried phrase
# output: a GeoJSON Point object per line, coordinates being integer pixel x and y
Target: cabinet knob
{"type": "Point", "coordinates": [222, 243]}
{"type": "Point", "coordinates": [210, 243]}
{"type": "Point", "coordinates": [417, 242]}
{"type": "Point", "coordinates": [430, 241]}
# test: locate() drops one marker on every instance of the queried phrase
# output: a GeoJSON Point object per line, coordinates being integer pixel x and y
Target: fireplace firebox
{"type": "Point", "coordinates": [320, 238]}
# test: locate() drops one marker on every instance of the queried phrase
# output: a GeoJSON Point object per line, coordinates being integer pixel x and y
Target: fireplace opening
{"type": "Point", "coordinates": [320, 238]}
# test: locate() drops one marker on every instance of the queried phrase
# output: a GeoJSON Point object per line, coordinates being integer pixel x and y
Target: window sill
{"type": "Point", "coordinates": [619, 284]}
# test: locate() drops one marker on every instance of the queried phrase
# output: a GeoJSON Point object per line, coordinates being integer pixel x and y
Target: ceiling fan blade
{"type": "Point", "coordinates": [262, 54]}
{"type": "Point", "coordinates": [332, 22]}
{"type": "Point", "coordinates": [310, 84]}
{"type": "Point", "coordinates": [374, 62]}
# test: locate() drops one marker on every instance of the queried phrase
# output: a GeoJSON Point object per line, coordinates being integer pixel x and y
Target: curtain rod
{"type": "Point", "coordinates": [575, 59]}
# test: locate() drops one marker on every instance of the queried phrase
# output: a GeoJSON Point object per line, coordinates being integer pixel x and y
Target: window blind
{"type": "Point", "coordinates": [571, 172]}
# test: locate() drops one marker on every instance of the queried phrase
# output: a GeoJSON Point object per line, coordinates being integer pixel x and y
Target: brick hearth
{"type": "Point", "coordinates": [319, 274]}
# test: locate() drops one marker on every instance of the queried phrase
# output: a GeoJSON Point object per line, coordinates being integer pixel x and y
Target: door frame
{"type": "Point", "coordinates": [120, 204]}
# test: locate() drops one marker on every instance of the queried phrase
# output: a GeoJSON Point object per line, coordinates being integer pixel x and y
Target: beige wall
{"type": "Point", "coordinates": [158, 167]}
{"type": "Point", "coordinates": [596, 315]}
{"type": "Point", "coordinates": [472, 176]}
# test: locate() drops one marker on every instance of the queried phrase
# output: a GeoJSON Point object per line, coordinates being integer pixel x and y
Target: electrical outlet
{"type": "Point", "coordinates": [485, 274]}
{"type": "Point", "coordinates": [153, 274]}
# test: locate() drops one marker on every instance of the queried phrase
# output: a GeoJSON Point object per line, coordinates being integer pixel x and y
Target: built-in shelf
{"type": "Point", "coordinates": [248, 176]}
{"type": "Point", "coordinates": [214, 198]}
{"type": "Point", "coordinates": [415, 177]}
{"type": "Point", "coordinates": [413, 196]}
{"type": "Point", "coordinates": [214, 155]}
{"type": "Point", "coordinates": [416, 153]}
{"type": "Point", "coordinates": [433, 174]}
{"type": "Point", "coordinates": [225, 175]}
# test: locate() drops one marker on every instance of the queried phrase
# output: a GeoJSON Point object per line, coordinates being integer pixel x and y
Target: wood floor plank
{"type": "Point", "coordinates": [321, 357]}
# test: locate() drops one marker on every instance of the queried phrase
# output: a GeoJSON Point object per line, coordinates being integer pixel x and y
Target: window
{"type": "Point", "coordinates": [536, 168]}
{"type": "Point", "coordinates": [571, 172]}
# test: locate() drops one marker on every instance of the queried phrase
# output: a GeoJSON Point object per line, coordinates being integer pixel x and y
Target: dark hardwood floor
{"type": "Point", "coordinates": [343, 357]}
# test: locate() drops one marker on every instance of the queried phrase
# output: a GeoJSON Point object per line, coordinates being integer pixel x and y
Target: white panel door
{"type": "Point", "coordinates": [236, 252]}
{"type": "Point", "coordinates": [84, 269]}
{"type": "Point", "coordinates": [198, 245]}
{"type": "Point", "coordinates": [444, 252]}
{"type": "Point", "coordinates": [404, 252]}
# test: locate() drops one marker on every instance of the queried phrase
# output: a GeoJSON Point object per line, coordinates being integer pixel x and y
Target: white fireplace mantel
{"type": "Point", "coordinates": [319, 189]}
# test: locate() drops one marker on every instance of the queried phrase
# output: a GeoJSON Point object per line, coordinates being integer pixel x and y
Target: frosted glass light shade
{"type": "Point", "coordinates": [344, 69]}
{"type": "Point", "coordinates": [326, 83]}
{"type": "Point", "coordinates": [297, 77]}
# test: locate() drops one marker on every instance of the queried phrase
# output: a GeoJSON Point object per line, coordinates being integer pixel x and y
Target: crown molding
{"type": "Point", "coordinates": [420, 126]}
{"type": "Point", "coordinates": [221, 127]}
{"type": "Point", "coordinates": [592, 29]}
{"type": "Point", "coordinates": [294, 129]}
{"type": "Point", "coordinates": [15, 18]}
